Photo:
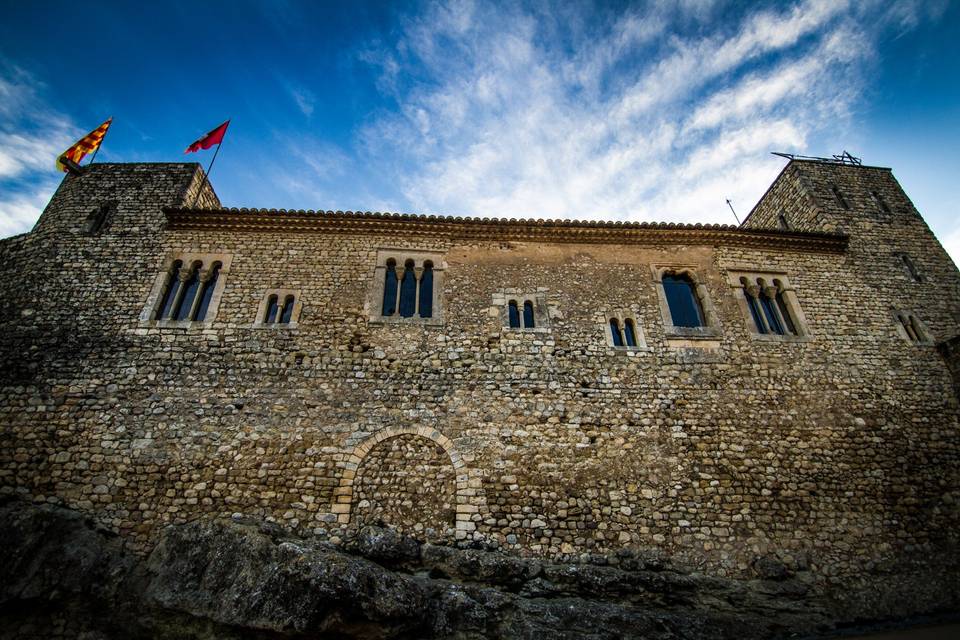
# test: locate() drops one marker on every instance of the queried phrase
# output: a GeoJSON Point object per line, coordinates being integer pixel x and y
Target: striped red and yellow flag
{"type": "Point", "coordinates": [87, 144]}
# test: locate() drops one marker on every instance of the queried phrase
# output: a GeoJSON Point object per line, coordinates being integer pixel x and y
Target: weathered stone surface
{"type": "Point", "coordinates": [227, 579]}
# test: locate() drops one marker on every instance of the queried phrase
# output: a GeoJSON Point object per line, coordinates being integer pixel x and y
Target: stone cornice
{"type": "Point", "coordinates": [461, 228]}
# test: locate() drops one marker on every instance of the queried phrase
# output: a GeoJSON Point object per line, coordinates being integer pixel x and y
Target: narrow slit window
{"type": "Point", "coordinates": [685, 309]}
{"type": "Point", "coordinates": [514, 314]}
{"type": "Point", "coordinates": [839, 196]}
{"type": "Point", "coordinates": [629, 333]}
{"type": "Point", "coordinates": [911, 267]}
{"type": "Point", "coordinates": [788, 322]}
{"type": "Point", "coordinates": [390, 289]}
{"type": "Point", "coordinates": [426, 291]}
{"type": "Point", "coordinates": [95, 221]}
{"type": "Point", "coordinates": [881, 203]}
{"type": "Point", "coordinates": [753, 305]}
{"type": "Point", "coordinates": [782, 219]}
{"type": "Point", "coordinates": [287, 312]}
{"type": "Point", "coordinates": [173, 284]}
{"type": "Point", "coordinates": [272, 307]}
{"type": "Point", "coordinates": [528, 322]}
{"type": "Point", "coordinates": [408, 291]}
{"type": "Point", "coordinates": [189, 294]}
{"type": "Point", "coordinates": [615, 332]}
{"type": "Point", "coordinates": [770, 313]}
{"type": "Point", "coordinates": [206, 292]}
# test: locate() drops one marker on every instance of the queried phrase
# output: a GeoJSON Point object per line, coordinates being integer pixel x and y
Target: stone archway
{"type": "Point", "coordinates": [466, 488]}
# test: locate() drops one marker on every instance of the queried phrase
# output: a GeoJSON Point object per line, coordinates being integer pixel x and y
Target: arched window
{"type": "Point", "coordinates": [751, 292]}
{"type": "Point", "coordinates": [426, 290]}
{"type": "Point", "coordinates": [788, 324]}
{"type": "Point", "coordinates": [528, 322]}
{"type": "Point", "coordinates": [408, 291]}
{"type": "Point", "coordinates": [685, 309]}
{"type": "Point", "coordinates": [839, 196]}
{"type": "Point", "coordinates": [206, 291]}
{"type": "Point", "coordinates": [514, 314]}
{"type": "Point", "coordinates": [390, 288]}
{"type": "Point", "coordinates": [96, 219]}
{"type": "Point", "coordinates": [185, 304]}
{"type": "Point", "coordinates": [615, 332]}
{"type": "Point", "coordinates": [170, 294]}
{"type": "Point", "coordinates": [272, 308]}
{"type": "Point", "coordinates": [629, 332]}
{"type": "Point", "coordinates": [770, 313]}
{"type": "Point", "coordinates": [287, 312]}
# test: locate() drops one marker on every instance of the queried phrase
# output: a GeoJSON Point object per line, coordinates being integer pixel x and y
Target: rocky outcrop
{"type": "Point", "coordinates": [241, 579]}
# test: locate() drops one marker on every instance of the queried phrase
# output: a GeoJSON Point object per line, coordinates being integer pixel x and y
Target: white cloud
{"type": "Point", "coordinates": [505, 112]}
{"type": "Point", "coordinates": [31, 137]}
{"type": "Point", "coordinates": [951, 242]}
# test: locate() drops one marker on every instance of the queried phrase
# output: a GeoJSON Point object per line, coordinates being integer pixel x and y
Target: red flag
{"type": "Point", "coordinates": [212, 138]}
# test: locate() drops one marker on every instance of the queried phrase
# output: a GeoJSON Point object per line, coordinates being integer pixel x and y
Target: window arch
{"type": "Point", "coordinates": [406, 287]}
{"type": "Point", "coordinates": [390, 288]}
{"type": "Point", "coordinates": [623, 331]}
{"type": "Point", "coordinates": [425, 293]}
{"type": "Point", "coordinates": [278, 308]}
{"type": "Point", "coordinates": [615, 332]}
{"type": "Point", "coordinates": [513, 313]}
{"type": "Point", "coordinates": [187, 290]}
{"type": "Point", "coordinates": [190, 284]}
{"type": "Point", "coordinates": [528, 321]}
{"type": "Point", "coordinates": [682, 299]}
{"type": "Point", "coordinates": [408, 291]}
{"type": "Point", "coordinates": [769, 305]}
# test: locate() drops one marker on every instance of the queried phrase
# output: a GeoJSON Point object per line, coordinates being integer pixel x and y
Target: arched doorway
{"type": "Point", "coordinates": [408, 476]}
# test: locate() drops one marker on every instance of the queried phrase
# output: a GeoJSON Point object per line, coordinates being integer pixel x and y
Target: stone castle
{"type": "Point", "coordinates": [786, 387]}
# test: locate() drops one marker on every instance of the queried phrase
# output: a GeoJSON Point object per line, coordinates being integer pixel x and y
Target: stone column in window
{"type": "Point", "coordinates": [184, 277]}
{"type": "Point", "coordinates": [709, 318]}
{"type": "Point", "coordinates": [770, 293]}
{"type": "Point", "coordinates": [417, 274]}
{"type": "Point", "coordinates": [752, 291]}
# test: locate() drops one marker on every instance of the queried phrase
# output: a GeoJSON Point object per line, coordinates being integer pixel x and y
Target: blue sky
{"type": "Point", "coordinates": [640, 111]}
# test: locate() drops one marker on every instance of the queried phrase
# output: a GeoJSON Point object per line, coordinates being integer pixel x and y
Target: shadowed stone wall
{"type": "Point", "coordinates": [834, 452]}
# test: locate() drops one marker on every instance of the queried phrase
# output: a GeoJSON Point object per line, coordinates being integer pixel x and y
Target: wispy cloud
{"type": "Point", "coordinates": [507, 111]}
{"type": "Point", "coordinates": [31, 136]}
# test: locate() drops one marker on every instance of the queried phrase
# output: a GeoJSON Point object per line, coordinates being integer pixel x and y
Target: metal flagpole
{"type": "Point", "coordinates": [729, 204]}
{"type": "Point", "coordinates": [207, 174]}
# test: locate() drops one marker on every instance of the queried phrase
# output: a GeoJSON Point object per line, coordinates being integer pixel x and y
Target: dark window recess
{"type": "Point", "coordinates": [911, 267]}
{"type": "Point", "coordinates": [615, 332]}
{"type": "Point", "coordinates": [97, 219]}
{"type": "Point", "coordinates": [390, 289]}
{"type": "Point", "coordinates": [839, 196]}
{"type": "Point", "coordinates": [528, 322]}
{"type": "Point", "coordinates": [189, 293]}
{"type": "Point", "coordinates": [770, 313]}
{"type": "Point", "coordinates": [173, 285]}
{"type": "Point", "coordinates": [514, 314]}
{"type": "Point", "coordinates": [754, 306]}
{"type": "Point", "coordinates": [685, 310]}
{"type": "Point", "coordinates": [408, 291]}
{"type": "Point", "coordinates": [206, 292]}
{"type": "Point", "coordinates": [785, 314]}
{"type": "Point", "coordinates": [272, 308]}
{"type": "Point", "coordinates": [426, 290]}
{"type": "Point", "coordinates": [629, 333]}
{"type": "Point", "coordinates": [881, 203]}
{"type": "Point", "coordinates": [782, 219]}
{"type": "Point", "coordinates": [287, 310]}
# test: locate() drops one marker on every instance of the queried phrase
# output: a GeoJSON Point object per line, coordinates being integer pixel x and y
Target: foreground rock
{"type": "Point", "coordinates": [63, 578]}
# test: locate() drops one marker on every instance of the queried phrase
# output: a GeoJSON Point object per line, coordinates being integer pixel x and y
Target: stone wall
{"type": "Point", "coordinates": [834, 452]}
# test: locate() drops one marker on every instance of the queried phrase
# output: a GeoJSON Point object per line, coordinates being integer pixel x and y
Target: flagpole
{"type": "Point", "coordinates": [206, 176]}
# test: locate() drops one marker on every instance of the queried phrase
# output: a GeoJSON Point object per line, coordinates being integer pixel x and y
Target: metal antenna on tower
{"type": "Point", "coordinates": [729, 204]}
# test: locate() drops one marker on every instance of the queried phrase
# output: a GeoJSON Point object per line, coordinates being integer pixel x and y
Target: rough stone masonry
{"type": "Point", "coordinates": [829, 447]}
